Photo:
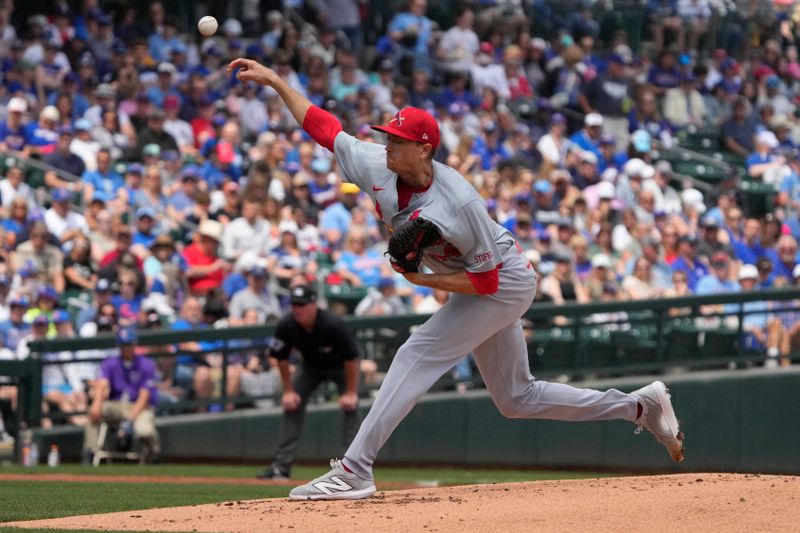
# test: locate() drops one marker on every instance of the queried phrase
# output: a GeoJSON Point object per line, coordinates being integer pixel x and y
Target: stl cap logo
{"type": "Point", "coordinates": [425, 136]}
{"type": "Point", "coordinates": [398, 118]}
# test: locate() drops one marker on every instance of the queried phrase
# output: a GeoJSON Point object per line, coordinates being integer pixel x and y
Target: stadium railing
{"type": "Point", "coordinates": [570, 341]}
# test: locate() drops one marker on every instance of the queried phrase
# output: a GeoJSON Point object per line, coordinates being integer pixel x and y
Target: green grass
{"type": "Point", "coordinates": [445, 476]}
{"type": "Point", "coordinates": [32, 500]}
{"type": "Point", "coordinates": [43, 530]}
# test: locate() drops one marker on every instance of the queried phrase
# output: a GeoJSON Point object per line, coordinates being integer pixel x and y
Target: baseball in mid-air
{"type": "Point", "coordinates": [208, 26]}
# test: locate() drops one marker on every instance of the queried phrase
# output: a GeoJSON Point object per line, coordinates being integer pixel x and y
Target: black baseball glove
{"type": "Point", "coordinates": [408, 242]}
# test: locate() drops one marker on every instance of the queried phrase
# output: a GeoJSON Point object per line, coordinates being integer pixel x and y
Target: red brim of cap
{"type": "Point", "coordinates": [391, 130]}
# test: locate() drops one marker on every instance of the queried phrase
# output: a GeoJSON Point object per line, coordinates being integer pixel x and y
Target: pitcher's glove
{"type": "Point", "coordinates": [408, 242]}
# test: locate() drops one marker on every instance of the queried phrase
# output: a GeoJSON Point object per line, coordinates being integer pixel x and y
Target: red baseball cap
{"type": "Point", "coordinates": [413, 124]}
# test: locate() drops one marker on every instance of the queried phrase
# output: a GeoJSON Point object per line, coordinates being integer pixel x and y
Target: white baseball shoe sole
{"type": "Point", "coordinates": [658, 417]}
{"type": "Point", "coordinates": [338, 484]}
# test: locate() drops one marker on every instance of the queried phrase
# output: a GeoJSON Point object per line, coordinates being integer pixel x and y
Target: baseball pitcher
{"type": "Point", "coordinates": [440, 221]}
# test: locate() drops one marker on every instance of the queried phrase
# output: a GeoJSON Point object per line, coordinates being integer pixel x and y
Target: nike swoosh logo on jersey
{"type": "Point", "coordinates": [374, 188]}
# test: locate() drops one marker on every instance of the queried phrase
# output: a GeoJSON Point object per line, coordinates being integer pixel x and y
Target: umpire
{"type": "Point", "coordinates": [329, 352]}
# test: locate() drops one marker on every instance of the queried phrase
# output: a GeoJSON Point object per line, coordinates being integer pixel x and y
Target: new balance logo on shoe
{"type": "Point", "coordinates": [338, 485]}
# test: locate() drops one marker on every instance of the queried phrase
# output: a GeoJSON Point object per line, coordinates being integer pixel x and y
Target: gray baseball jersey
{"type": "Point", "coordinates": [470, 239]}
{"type": "Point", "coordinates": [489, 326]}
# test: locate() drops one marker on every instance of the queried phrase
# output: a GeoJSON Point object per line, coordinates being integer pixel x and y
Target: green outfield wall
{"type": "Point", "coordinates": [744, 420]}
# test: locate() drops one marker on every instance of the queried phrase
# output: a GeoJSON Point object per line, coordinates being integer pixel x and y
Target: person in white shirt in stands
{"type": "Point", "coordinates": [487, 74]}
{"type": "Point", "coordinates": [382, 302]}
{"type": "Point", "coordinates": [14, 186]}
{"type": "Point", "coordinates": [83, 145]}
{"type": "Point", "coordinates": [249, 232]}
{"type": "Point", "coordinates": [684, 105]}
{"type": "Point", "coordinates": [554, 145]}
{"type": "Point", "coordinates": [61, 221]}
{"type": "Point", "coordinates": [460, 44]}
{"type": "Point", "coordinates": [180, 129]}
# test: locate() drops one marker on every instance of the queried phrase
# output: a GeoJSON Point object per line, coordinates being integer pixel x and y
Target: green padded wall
{"type": "Point", "coordinates": [745, 420]}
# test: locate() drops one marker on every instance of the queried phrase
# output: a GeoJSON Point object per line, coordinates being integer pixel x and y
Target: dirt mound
{"type": "Point", "coordinates": [687, 502]}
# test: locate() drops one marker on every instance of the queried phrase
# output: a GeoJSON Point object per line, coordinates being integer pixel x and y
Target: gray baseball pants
{"type": "Point", "coordinates": [489, 327]}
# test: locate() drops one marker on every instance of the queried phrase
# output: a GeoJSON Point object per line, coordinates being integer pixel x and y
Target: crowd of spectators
{"type": "Point", "coordinates": [177, 197]}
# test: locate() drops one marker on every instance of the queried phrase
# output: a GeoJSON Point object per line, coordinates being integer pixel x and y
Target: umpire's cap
{"type": "Point", "coordinates": [302, 294]}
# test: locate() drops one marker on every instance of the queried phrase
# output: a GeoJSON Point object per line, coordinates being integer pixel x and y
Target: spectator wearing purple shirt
{"type": "Point", "coordinates": [125, 395]}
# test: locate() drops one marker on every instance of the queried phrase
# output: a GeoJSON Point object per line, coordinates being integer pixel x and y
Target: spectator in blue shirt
{"type": "Point", "coordinates": [749, 249]}
{"type": "Point", "coordinates": [411, 29]}
{"type": "Point", "coordinates": [161, 44]}
{"type": "Point", "coordinates": [358, 265]}
{"type": "Point", "coordinates": [104, 180]}
{"type": "Point", "coordinates": [588, 138]}
{"type": "Point", "coordinates": [13, 329]}
{"type": "Point", "coordinates": [165, 86]}
{"type": "Point", "coordinates": [763, 160]}
{"type": "Point", "coordinates": [181, 203]}
{"type": "Point", "coordinates": [718, 281]}
{"type": "Point", "coordinates": [145, 227]}
{"type": "Point", "coordinates": [687, 261]}
{"type": "Point", "coordinates": [43, 134]}
{"type": "Point", "coordinates": [335, 219]}
{"type": "Point", "coordinates": [13, 136]}
{"type": "Point", "coordinates": [664, 74]}
{"type": "Point", "coordinates": [783, 256]}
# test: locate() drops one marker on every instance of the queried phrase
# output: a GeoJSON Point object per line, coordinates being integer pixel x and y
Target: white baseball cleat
{"type": "Point", "coordinates": [338, 484]}
{"type": "Point", "coordinates": [658, 417]}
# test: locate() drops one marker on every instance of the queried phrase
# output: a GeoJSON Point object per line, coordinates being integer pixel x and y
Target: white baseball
{"type": "Point", "coordinates": [208, 26]}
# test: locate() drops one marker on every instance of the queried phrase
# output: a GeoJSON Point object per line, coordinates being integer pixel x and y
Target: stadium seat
{"type": "Point", "coordinates": [719, 344]}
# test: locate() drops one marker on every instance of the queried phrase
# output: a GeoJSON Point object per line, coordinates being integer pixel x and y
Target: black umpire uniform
{"type": "Point", "coordinates": [329, 352]}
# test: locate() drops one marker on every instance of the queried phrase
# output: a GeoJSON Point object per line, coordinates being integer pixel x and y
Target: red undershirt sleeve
{"type": "Point", "coordinates": [485, 282]}
{"type": "Point", "coordinates": [322, 126]}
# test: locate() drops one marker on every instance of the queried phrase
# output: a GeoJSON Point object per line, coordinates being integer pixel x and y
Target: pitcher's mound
{"type": "Point", "coordinates": [686, 502]}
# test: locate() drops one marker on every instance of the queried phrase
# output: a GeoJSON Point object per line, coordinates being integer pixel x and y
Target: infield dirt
{"type": "Point", "coordinates": [670, 503]}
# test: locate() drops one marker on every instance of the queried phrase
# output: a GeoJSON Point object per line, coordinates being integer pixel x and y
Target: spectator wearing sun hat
{"type": "Point", "coordinates": [205, 267]}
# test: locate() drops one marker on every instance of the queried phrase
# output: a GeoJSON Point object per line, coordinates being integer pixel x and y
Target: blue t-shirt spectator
{"type": "Point", "coordinates": [747, 254]}
{"type": "Point", "coordinates": [105, 185]}
{"type": "Point", "coordinates": [367, 266]}
{"type": "Point", "coordinates": [16, 139]}
{"type": "Point", "coordinates": [693, 273]}
{"type": "Point", "coordinates": [408, 22]}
